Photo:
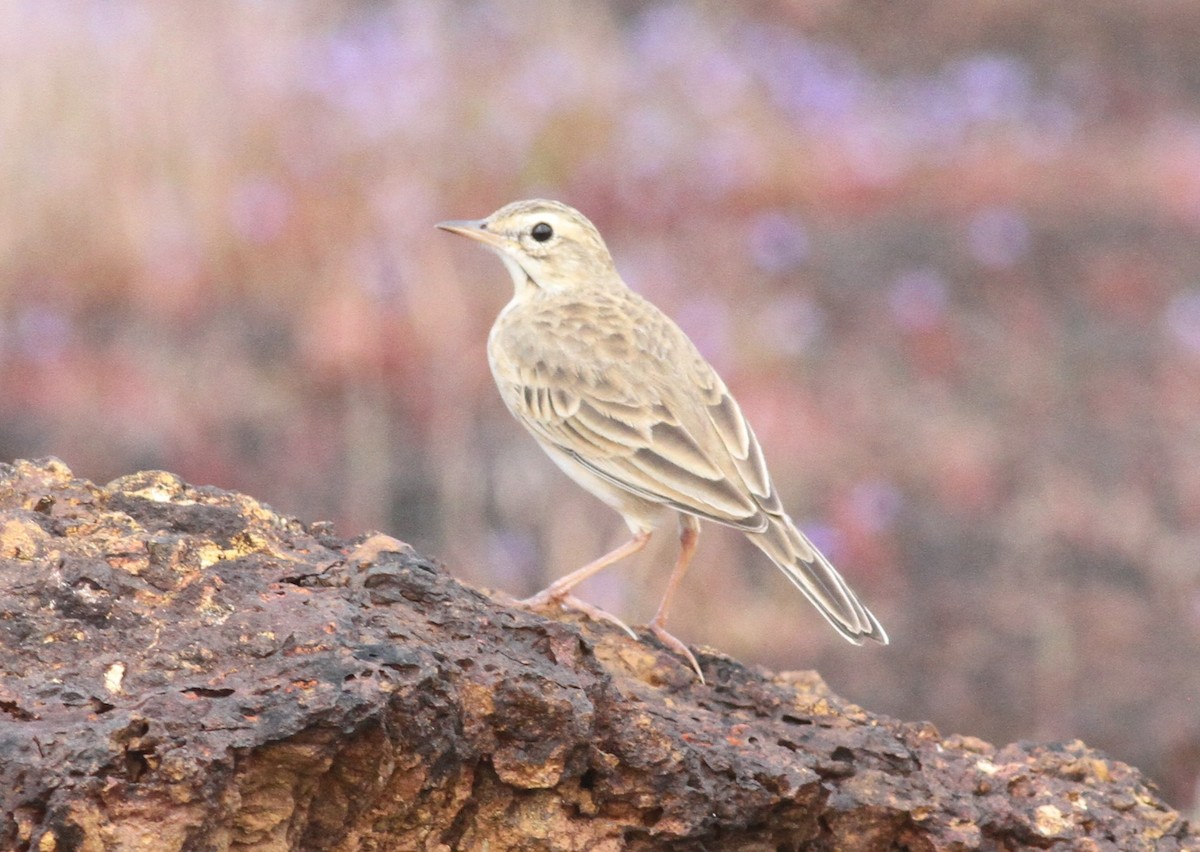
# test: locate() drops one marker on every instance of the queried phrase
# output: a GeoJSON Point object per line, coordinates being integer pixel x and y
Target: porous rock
{"type": "Point", "coordinates": [185, 669]}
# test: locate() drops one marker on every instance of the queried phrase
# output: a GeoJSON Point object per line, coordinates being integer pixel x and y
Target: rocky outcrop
{"type": "Point", "coordinates": [185, 669]}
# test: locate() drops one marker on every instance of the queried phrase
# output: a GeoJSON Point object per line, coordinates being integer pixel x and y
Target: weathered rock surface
{"type": "Point", "coordinates": [185, 669]}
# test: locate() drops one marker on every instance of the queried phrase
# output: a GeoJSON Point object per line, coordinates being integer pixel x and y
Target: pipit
{"type": "Point", "coordinates": [625, 404]}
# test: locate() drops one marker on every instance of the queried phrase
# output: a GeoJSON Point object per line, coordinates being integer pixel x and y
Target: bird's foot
{"type": "Point", "coordinates": [561, 598]}
{"type": "Point", "coordinates": [552, 597]}
{"type": "Point", "coordinates": [677, 646]}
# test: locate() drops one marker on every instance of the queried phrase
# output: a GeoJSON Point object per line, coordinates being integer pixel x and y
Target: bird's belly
{"type": "Point", "coordinates": [640, 515]}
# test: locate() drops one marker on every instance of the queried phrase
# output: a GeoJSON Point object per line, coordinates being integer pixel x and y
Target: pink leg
{"type": "Point", "coordinates": [689, 537]}
{"type": "Point", "coordinates": [559, 592]}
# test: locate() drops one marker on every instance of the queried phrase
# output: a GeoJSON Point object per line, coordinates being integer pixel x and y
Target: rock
{"type": "Point", "coordinates": [185, 669]}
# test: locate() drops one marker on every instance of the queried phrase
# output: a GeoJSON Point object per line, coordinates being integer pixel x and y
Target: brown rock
{"type": "Point", "coordinates": [186, 669]}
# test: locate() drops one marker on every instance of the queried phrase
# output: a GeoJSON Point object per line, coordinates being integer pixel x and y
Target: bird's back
{"type": "Point", "coordinates": [619, 346]}
{"type": "Point", "coordinates": [609, 378]}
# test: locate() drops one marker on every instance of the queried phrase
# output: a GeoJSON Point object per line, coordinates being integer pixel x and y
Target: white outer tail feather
{"type": "Point", "coordinates": [820, 582]}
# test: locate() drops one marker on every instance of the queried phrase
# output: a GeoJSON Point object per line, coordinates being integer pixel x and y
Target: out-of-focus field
{"type": "Point", "coordinates": [946, 254]}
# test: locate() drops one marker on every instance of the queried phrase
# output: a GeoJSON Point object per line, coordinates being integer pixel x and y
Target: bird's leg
{"type": "Point", "coordinates": [689, 537]}
{"type": "Point", "coordinates": [559, 592]}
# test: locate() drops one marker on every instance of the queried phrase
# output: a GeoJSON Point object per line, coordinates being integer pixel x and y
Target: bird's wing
{"type": "Point", "coordinates": [668, 431]}
{"type": "Point", "coordinates": [738, 439]}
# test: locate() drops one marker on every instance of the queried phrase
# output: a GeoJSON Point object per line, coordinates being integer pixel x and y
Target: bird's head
{"type": "Point", "coordinates": [546, 246]}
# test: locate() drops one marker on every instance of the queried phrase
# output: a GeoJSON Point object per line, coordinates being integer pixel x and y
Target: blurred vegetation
{"type": "Point", "coordinates": [947, 255]}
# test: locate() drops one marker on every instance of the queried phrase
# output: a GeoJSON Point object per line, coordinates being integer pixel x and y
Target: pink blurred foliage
{"type": "Point", "coordinates": [945, 258]}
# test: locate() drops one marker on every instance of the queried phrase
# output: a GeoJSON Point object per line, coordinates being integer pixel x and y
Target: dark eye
{"type": "Point", "coordinates": [541, 232]}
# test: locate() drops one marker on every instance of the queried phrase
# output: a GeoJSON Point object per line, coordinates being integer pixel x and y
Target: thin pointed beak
{"type": "Point", "coordinates": [476, 229]}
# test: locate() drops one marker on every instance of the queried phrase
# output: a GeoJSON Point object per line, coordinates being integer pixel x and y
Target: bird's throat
{"type": "Point", "coordinates": [523, 283]}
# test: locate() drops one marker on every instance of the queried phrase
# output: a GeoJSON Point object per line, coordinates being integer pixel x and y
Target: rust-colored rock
{"type": "Point", "coordinates": [185, 669]}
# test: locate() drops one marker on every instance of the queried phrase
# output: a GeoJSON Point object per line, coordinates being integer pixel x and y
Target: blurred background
{"type": "Point", "coordinates": [947, 256]}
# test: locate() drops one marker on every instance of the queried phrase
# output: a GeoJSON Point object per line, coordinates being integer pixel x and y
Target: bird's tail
{"type": "Point", "coordinates": [804, 565]}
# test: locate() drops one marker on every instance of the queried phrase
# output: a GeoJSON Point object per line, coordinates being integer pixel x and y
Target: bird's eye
{"type": "Point", "coordinates": [541, 232]}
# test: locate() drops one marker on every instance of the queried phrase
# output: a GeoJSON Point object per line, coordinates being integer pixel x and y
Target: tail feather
{"type": "Point", "coordinates": [820, 582]}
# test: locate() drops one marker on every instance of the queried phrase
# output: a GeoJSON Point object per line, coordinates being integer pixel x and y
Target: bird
{"type": "Point", "coordinates": [625, 404]}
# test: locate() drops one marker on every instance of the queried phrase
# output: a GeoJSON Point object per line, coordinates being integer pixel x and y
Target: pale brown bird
{"type": "Point", "coordinates": [625, 404]}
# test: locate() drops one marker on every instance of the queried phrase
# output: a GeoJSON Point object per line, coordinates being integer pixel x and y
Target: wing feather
{"type": "Point", "coordinates": [653, 418]}
{"type": "Point", "coordinates": [744, 448]}
{"type": "Point", "coordinates": [657, 459]}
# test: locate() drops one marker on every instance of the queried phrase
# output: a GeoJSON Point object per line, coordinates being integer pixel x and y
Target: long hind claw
{"type": "Point", "coordinates": [677, 646]}
{"type": "Point", "coordinates": [548, 597]}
